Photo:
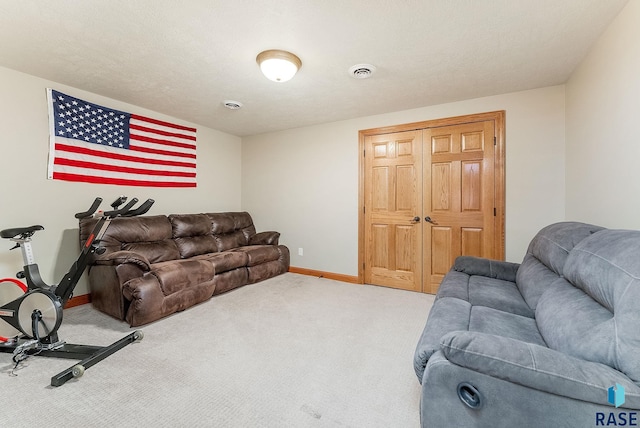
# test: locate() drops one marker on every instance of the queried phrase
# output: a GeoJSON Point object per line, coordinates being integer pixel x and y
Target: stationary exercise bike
{"type": "Point", "coordinates": [30, 315]}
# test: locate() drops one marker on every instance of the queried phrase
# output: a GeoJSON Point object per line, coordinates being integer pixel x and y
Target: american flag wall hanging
{"type": "Point", "coordinates": [94, 144]}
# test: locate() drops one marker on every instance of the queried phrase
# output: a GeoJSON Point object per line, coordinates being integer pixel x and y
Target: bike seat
{"type": "Point", "coordinates": [20, 231]}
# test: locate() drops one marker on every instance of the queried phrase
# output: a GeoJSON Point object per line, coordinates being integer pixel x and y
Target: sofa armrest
{"type": "Point", "coordinates": [146, 300]}
{"type": "Point", "coordinates": [497, 269]}
{"type": "Point", "coordinates": [446, 315]}
{"type": "Point", "coordinates": [264, 238]}
{"type": "Point", "coordinates": [122, 257]}
{"type": "Point", "coordinates": [536, 367]}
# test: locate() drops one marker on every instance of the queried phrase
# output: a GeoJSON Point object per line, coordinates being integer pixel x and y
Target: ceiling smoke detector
{"type": "Point", "coordinates": [362, 71]}
{"type": "Point", "coordinates": [232, 105]}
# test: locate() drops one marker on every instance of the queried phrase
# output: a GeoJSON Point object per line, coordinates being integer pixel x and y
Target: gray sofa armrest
{"type": "Point", "coordinates": [447, 315]}
{"type": "Point", "coordinates": [122, 257]}
{"type": "Point", "coordinates": [505, 271]}
{"type": "Point", "coordinates": [537, 367]}
{"type": "Point", "coordinates": [264, 238]}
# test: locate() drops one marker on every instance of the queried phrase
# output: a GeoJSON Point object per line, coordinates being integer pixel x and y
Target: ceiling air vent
{"type": "Point", "coordinates": [362, 71]}
{"type": "Point", "coordinates": [232, 105]}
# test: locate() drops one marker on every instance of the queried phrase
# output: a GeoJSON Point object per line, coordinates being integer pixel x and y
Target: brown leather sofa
{"type": "Point", "coordinates": [154, 266]}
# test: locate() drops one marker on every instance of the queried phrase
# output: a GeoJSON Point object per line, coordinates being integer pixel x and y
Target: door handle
{"type": "Point", "coordinates": [429, 220]}
{"type": "Point", "coordinates": [415, 220]}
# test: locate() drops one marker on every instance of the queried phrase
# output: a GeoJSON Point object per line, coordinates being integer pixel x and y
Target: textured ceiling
{"type": "Point", "coordinates": [185, 58]}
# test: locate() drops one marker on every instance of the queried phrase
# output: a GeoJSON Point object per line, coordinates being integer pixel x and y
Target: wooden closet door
{"type": "Point", "coordinates": [450, 174]}
{"type": "Point", "coordinates": [392, 210]}
{"type": "Point", "coordinates": [459, 197]}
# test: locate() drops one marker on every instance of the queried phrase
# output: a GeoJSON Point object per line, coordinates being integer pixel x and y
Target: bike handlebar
{"type": "Point", "coordinates": [125, 211]}
{"type": "Point", "coordinates": [121, 200]}
{"type": "Point", "coordinates": [91, 210]}
{"type": "Point", "coordinates": [142, 209]}
{"type": "Point", "coordinates": [121, 211]}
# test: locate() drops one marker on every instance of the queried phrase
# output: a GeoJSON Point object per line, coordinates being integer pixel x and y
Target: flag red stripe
{"type": "Point", "coordinates": [164, 142]}
{"type": "Point", "coordinates": [103, 167]}
{"type": "Point", "coordinates": [160, 122]}
{"type": "Point", "coordinates": [160, 132]}
{"type": "Point", "coordinates": [162, 152]}
{"type": "Point", "coordinates": [117, 156]}
{"type": "Point", "coordinates": [118, 181]}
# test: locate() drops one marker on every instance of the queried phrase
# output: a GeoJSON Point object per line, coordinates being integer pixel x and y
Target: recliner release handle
{"type": "Point", "coordinates": [469, 395]}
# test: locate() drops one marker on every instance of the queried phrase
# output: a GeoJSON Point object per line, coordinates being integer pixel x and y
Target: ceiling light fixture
{"type": "Point", "coordinates": [277, 65]}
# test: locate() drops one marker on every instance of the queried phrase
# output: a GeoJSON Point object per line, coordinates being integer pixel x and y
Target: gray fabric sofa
{"type": "Point", "coordinates": [547, 342]}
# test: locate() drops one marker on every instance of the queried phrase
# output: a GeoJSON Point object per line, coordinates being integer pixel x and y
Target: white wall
{"type": "Point", "coordinates": [603, 113]}
{"type": "Point", "coordinates": [304, 182]}
{"type": "Point", "coordinates": [27, 197]}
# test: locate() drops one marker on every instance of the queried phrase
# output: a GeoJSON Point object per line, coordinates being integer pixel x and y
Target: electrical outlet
{"type": "Point", "coordinates": [300, 252]}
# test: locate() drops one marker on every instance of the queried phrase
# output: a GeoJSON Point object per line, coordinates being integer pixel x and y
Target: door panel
{"type": "Point", "coordinates": [459, 197]}
{"type": "Point", "coordinates": [440, 186]}
{"type": "Point", "coordinates": [380, 246]}
{"type": "Point", "coordinates": [380, 188]}
{"type": "Point", "coordinates": [471, 182]}
{"type": "Point", "coordinates": [472, 242]}
{"type": "Point", "coordinates": [393, 176]}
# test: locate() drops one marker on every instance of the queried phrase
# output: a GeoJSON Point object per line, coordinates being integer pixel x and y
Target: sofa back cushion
{"type": "Point", "coordinates": [192, 234]}
{"type": "Point", "coordinates": [546, 256]}
{"type": "Point", "coordinates": [149, 236]}
{"type": "Point", "coordinates": [232, 229]}
{"type": "Point", "coordinates": [593, 313]}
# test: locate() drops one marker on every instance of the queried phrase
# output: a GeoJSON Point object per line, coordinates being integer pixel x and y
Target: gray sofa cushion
{"type": "Point", "coordinates": [533, 279]}
{"type": "Point", "coordinates": [505, 324]}
{"type": "Point", "coordinates": [553, 243]}
{"type": "Point", "coordinates": [469, 284]}
{"type": "Point", "coordinates": [598, 317]}
{"type": "Point", "coordinates": [546, 256]}
{"type": "Point", "coordinates": [497, 294]}
{"type": "Point", "coordinates": [452, 314]}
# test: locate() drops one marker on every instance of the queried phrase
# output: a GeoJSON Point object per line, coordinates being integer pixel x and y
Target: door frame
{"type": "Point", "coordinates": [499, 168]}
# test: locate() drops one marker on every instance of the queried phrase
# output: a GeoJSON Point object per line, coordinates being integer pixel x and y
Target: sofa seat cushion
{"type": "Point", "coordinates": [226, 260]}
{"type": "Point", "coordinates": [176, 275]}
{"type": "Point", "coordinates": [483, 291]}
{"type": "Point", "coordinates": [499, 323]}
{"type": "Point", "coordinates": [259, 254]}
{"type": "Point", "coordinates": [450, 314]}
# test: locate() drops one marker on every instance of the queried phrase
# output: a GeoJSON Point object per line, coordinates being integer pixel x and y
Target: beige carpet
{"type": "Point", "coordinates": [292, 351]}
